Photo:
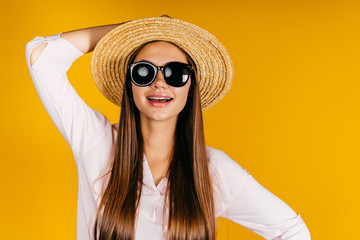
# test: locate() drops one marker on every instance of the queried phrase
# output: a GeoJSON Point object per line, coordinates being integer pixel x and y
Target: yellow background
{"type": "Point", "coordinates": [291, 118]}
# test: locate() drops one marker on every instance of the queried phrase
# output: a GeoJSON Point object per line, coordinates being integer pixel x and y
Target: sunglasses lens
{"type": "Point", "coordinates": [142, 73]}
{"type": "Point", "coordinates": [176, 74]}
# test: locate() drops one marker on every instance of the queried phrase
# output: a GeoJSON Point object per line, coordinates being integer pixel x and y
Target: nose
{"type": "Point", "coordinates": [159, 81]}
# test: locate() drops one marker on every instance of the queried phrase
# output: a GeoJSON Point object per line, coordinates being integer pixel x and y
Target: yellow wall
{"type": "Point", "coordinates": [291, 118]}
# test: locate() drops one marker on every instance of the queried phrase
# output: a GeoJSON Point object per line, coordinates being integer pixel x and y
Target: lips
{"type": "Point", "coordinates": [159, 98]}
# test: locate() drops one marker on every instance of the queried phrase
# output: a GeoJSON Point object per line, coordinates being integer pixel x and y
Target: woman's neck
{"type": "Point", "coordinates": [158, 140]}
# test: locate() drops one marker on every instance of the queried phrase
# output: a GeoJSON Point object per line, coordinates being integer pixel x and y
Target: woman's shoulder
{"type": "Point", "coordinates": [217, 156]}
{"type": "Point", "coordinates": [223, 164]}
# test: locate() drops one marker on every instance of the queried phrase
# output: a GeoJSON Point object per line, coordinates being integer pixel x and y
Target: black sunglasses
{"type": "Point", "coordinates": [176, 74]}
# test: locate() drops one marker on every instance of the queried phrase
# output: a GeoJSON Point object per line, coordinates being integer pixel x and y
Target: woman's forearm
{"type": "Point", "coordinates": [86, 39]}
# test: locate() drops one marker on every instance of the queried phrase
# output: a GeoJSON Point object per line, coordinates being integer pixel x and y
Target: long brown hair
{"type": "Point", "coordinates": [189, 193]}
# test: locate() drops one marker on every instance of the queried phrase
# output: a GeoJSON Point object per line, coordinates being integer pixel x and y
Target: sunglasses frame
{"type": "Point", "coordinates": [156, 70]}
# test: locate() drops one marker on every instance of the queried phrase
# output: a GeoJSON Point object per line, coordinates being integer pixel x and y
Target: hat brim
{"type": "Point", "coordinates": [112, 54]}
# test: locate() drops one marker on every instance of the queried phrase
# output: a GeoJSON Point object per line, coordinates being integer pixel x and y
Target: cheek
{"type": "Point", "coordinates": [137, 92]}
{"type": "Point", "coordinates": [187, 89]}
{"type": "Point", "coordinates": [183, 95]}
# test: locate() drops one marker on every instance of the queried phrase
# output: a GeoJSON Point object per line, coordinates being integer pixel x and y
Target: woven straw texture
{"type": "Point", "coordinates": [112, 54]}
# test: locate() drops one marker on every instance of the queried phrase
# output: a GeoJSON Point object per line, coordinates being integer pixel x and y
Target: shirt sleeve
{"type": "Point", "coordinates": [251, 205]}
{"type": "Point", "coordinates": [81, 126]}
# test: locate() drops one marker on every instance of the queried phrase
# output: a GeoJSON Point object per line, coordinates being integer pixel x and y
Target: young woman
{"type": "Point", "coordinates": [151, 176]}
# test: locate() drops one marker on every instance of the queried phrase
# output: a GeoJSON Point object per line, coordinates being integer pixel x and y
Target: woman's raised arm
{"type": "Point", "coordinates": [86, 39]}
{"type": "Point", "coordinates": [83, 39]}
{"type": "Point", "coordinates": [49, 58]}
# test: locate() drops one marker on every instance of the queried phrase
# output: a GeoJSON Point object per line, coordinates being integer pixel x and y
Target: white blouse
{"type": "Point", "coordinates": [91, 136]}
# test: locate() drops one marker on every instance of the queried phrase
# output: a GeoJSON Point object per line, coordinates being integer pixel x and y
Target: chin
{"type": "Point", "coordinates": [157, 116]}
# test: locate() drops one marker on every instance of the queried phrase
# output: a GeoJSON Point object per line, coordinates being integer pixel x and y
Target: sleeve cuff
{"type": "Point", "coordinates": [63, 51]}
{"type": "Point", "coordinates": [67, 50]}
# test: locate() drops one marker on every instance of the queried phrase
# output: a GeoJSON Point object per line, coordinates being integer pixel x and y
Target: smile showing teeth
{"type": "Point", "coordinates": [159, 99]}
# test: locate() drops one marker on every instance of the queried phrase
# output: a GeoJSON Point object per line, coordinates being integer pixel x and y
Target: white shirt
{"type": "Point", "coordinates": [91, 136]}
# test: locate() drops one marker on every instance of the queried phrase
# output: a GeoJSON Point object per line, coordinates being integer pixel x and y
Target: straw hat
{"type": "Point", "coordinates": [214, 69]}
